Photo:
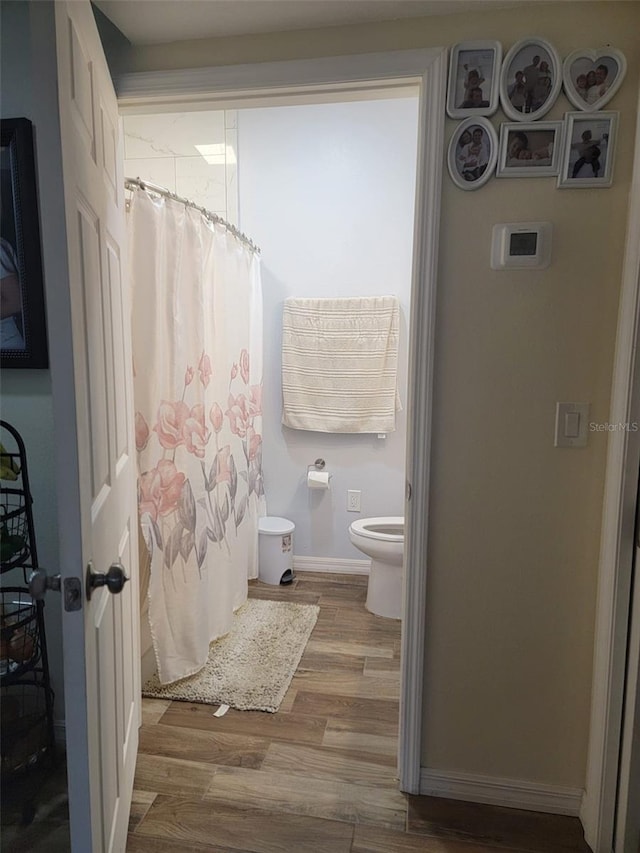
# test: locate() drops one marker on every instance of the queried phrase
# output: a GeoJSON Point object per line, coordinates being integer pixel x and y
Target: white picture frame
{"type": "Point", "coordinates": [577, 69]}
{"type": "Point", "coordinates": [530, 79]}
{"type": "Point", "coordinates": [587, 160]}
{"type": "Point", "coordinates": [532, 150]}
{"type": "Point", "coordinates": [474, 77]}
{"type": "Point", "coordinates": [472, 160]}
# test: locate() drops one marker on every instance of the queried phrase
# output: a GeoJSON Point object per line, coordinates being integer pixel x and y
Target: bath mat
{"type": "Point", "coordinates": [252, 666]}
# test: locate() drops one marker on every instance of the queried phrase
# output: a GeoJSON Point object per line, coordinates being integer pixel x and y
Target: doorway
{"type": "Point", "coordinates": [627, 830]}
{"type": "Point", "coordinates": [327, 190]}
{"type": "Point", "coordinates": [353, 76]}
{"type": "Point", "coordinates": [608, 811]}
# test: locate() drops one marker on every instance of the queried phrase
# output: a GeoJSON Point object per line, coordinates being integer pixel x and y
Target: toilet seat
{"type": "Point", "coordinates": [384, 529]}
{"type": "Point", "coordinates": [382, 540]}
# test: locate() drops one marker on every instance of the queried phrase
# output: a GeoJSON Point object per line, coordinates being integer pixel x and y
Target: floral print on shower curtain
{"type": "Point", "coordinates": [197, 343]}
{"type": "Point", "coordinates": [166, 495]}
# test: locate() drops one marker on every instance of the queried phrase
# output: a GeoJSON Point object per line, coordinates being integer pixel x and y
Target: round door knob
{"type": "Point", "coordinates": [114, 579]}
{"type": "Point", "coordinates": [40, 582]}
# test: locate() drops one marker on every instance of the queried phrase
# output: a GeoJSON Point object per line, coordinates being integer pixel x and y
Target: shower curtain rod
{"type": "Point", "coordinates": [130, 183]}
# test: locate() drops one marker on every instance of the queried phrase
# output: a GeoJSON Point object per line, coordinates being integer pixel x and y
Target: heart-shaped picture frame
{"type": "Point", "coordinates": [592, 76]}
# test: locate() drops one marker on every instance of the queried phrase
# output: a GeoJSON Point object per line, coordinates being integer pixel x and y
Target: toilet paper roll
{"type": "Point", "coordinates": [318, 479]}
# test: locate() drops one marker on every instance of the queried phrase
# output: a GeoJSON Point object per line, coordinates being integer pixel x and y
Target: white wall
{"type": "Point", "coordinates": [327, 192]}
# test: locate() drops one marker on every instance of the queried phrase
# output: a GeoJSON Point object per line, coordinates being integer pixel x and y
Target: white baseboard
{"type": "Point", "coordinates": [513, 793]}
{"type": "Point", "coordinates": [332, 565]}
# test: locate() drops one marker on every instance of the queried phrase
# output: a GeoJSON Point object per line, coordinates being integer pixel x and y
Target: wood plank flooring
{"type": "Point", "coordinates": [320, 774]}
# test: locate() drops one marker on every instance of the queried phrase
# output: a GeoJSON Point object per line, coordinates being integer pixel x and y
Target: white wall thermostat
{"type": "Point", "coordinates": [521, 246]}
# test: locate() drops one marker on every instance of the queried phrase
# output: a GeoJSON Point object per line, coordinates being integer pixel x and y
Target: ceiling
{"type": "Point", "coordinates": [156, 21]}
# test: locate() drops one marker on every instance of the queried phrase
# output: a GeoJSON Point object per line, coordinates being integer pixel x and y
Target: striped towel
{"type": "Point", "coordinates": [339, 364]}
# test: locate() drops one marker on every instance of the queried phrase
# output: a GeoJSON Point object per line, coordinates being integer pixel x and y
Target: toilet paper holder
{"type": "Point", "coordinates": [317, 477]}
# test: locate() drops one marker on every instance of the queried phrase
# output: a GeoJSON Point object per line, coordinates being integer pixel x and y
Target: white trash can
{"type": "Point", "coordinates": [275, 553]}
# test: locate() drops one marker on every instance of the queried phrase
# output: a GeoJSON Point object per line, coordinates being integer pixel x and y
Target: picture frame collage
{"type": "Point", "coordinates": [578, 150]}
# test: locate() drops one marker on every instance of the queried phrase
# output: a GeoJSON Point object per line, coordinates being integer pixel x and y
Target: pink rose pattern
{"type": "Point", "coordinates": [204, 369]}
{"type": "Point", "coordinates": [196, 434]}
{"type": "Point", "coordinates": [166, 495]}
{"type": "Point", "coordinates": [244, 366]}
{"type": "Point", "coordinates": [160, 489]}
{"type": "Point", "coordinates": [216, 417]}
{"type": "Point", "coordinates": [171, 420]}
{"type": "Point", "coordinates": [142, 432]}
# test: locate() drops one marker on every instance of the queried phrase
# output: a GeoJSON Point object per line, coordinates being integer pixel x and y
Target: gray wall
{"type": "Point", "coordinates": [26, 400]}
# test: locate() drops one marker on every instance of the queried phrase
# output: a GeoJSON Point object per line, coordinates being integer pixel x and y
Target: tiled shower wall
{"type": "Point", "coordinates": [193, 154]}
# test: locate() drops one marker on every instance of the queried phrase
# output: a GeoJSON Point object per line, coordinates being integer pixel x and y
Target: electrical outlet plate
{"type": "Point", "coordinates": [353, 500]}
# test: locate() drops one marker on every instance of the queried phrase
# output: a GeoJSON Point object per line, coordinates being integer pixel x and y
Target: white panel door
{"type": "Point", "coordinates": [101, 655]}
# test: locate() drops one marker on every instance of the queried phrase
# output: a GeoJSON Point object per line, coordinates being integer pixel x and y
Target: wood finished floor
{"type": "Point", "coordinates": [320, 774]}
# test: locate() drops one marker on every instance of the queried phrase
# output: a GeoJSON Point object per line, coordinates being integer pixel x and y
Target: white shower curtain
{"type": "Point", "coordinates": [197, 349]}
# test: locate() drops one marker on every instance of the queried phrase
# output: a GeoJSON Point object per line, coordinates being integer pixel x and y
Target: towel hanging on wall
{"type": "Point", "coordinates": [340, 364]}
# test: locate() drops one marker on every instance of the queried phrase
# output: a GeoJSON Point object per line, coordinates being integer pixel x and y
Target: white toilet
{"type": "Point", "coordinates": [382, 539]}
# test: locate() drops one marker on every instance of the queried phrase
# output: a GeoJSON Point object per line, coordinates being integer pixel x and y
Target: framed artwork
{"type": "Point", "coordinates": [474, 74]}
{"type": "Point", "coordinates": [588, 150]}
{"type": "Point", "coordinates": [592, 77]}
{"type": "Point", "coordinates": [530, 150]}
{"type": "Point", "coordinates": [23, 340]}
{"type": "Point", "coordinates": [472, 154]}
{"type": "Point", "coordinates": [530, 80]}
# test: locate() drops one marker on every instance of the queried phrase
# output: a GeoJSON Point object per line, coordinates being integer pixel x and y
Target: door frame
{"type": "Point", "coordinates": [627, 818]}
{"type": "Point", "coordinates": [249, 85]}
{"type": "Point", "coordinates": [598, 812]}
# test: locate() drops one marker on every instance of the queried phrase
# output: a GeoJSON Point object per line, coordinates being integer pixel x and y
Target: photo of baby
{"type": "Point", "coordinates": [532, 149]}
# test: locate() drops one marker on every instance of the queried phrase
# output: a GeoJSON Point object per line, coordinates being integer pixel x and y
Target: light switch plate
{"type": "Point", "coordinates": [572, 424]}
